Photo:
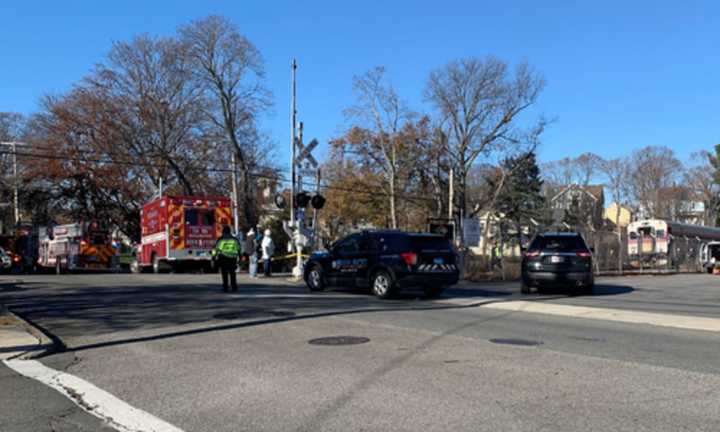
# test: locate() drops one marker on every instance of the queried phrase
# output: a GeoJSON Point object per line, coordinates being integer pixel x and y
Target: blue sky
{"type": "Point", "coordinates": [620, 75]}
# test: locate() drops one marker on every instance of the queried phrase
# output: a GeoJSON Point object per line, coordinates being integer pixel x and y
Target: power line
{"type": "Point", "coordinates": [121, 154]}
{"type": "Point", "coordinates": [277, 177]}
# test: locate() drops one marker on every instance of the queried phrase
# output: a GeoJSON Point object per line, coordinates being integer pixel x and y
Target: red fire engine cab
{"type": "Point", "coordinates": [179, 232]}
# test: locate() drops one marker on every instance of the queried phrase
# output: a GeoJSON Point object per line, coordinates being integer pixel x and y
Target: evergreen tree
{"type": "Point", "coordinates": [520, 198]}
{"type": "Point", "coordinates": [714, 160]}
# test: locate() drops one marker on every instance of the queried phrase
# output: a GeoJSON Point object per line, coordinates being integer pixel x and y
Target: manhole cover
{"type": "Point", "coordinates": [252, 313]}
{"type": "Point", "coordinates": [520, 342]}
{"type": "Point", "coordinates": [339, 340]}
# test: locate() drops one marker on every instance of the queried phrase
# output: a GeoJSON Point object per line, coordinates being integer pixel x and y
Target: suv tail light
{"type": "Point", "coordinates": [584, 254]}
{"type": "Point", "coordinates": [410, 258]}
{"type": "Point", "coordinates": [532, 253]}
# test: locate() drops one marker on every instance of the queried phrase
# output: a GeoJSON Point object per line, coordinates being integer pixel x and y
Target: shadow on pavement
{"type": "Point", "coordinates": [75, 315]}
{"type": "Point", "coordinates": [79, 314]}
{"type": "Point", "coordinates": [279, 318]}
{"type": "Point", "coordinates": [607, 290]}
{"type": "Point", "coordinates": [598, 290]}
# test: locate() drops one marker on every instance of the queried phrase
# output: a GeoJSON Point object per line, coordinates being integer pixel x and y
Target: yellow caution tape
{"type": "Point", "coordinates": [283, 257]}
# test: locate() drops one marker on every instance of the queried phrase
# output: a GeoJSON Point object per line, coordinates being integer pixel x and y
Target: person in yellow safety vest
{"type": "Point", "coordinates": [226, 253]}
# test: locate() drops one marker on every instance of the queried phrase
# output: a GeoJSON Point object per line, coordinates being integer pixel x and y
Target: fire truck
{"type": "Point", "coordinates": [179, 232]}
{"type": "Point", "coordinates": [76, 246]}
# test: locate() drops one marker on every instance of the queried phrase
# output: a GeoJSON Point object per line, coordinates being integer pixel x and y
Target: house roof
{"type": "Point", "coordinates": [678, 193]}
{"type": "Point", "coordinates": [594, 191]}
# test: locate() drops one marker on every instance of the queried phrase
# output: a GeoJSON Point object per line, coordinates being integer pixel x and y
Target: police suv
{"type": "Point", "coordinates": [385, 261]}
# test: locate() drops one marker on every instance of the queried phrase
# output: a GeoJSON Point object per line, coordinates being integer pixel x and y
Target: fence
{"type": "Point", "coordinates": [611, 254]}
{"type": "Point", "coordinates": [610, 257]}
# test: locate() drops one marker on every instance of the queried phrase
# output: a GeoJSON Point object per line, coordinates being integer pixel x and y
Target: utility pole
{"type": "Point", "coordinates": [15, 184]}
{"type": "Point", "coordinates": [236, 222]}
{"type": "Point", "coordinates": [450, 195]}
{"type": "Point", "coordinates": [300, 217]}
{"type": "Point", "coordinates": [16, 206]}
{"type": "Point", "coordinates": [295, 225]}
{"type": "Point", "coordinates": [293, 137]}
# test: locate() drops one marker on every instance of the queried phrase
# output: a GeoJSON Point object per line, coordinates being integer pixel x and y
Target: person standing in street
{"type": "Point", "coordinates": [268, 249]}
{"type": "Point", "coordinates": [226, 252]}
{"type": "Point", "coordinates": [250, 250]}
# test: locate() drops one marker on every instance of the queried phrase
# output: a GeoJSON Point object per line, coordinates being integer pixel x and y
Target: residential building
{"type": "Point", "coordinates": [622, 220]}
{"type": "Point", "coordinates": [577, 205]}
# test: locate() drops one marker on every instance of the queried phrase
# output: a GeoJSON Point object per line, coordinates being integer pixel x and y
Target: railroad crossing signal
{"type": "Point", "coordinates": [304, 153]}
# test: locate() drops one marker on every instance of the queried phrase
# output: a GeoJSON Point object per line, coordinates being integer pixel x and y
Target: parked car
{"type": "Point", "coordinates": [385, 261]}
{"type": "Point", "coordinates": [558, 259]}
{"type": "Point", "coordinates": [5, 261]}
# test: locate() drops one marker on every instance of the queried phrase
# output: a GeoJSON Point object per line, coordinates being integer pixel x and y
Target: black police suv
{"type": "Point", "coordinates": [385, 261]}
{"type": "Point", "coordinates": [558, 258]}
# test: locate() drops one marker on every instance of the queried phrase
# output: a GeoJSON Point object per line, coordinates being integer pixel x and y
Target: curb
{"type": "Point", "coordinates": [46, 344]}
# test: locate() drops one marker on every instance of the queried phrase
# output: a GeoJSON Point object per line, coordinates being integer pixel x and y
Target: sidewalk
{"type": "Point", "coordinates": [18, 339]}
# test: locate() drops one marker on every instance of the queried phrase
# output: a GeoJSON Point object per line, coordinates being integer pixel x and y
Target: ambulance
{"type": "Point", "coordinates": [77, 246]}
{"type": "Point", "coordinates": [179, 232]}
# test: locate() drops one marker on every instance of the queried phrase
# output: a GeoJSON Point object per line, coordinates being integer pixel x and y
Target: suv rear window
{"type": "Point", "coordinates": [559, 243]}
{"type": "Point", "coordinates": [396, 242]}
{"type": "Point", "coordinates": [430, 243]}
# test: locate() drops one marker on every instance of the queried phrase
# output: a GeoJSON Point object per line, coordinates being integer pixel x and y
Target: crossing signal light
{"type": "Point", "coordinates": [302, 200]}
{"type": "Point", "coordinates": [318, 201]}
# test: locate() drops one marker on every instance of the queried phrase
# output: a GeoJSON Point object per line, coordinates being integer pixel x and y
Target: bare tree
{"type": "Point", "coordinates": [699, 178]}
{"type": "Point", "coordinates": [156, 106]}
{"type": "Point", "coordinates": [231, 71]}
{"type": "Point", "coordinates": [617, 174]}
{"type": "Point", "coordinates": [653, 168]}
{"type": "Point", "coordinates": [558, 173]}
{"type": "Point", "coordinates": [382, 115]}
{"type": "Point", "coordinates": [479, 101]}
{"type": "Point", "coordinates": [581, 170]}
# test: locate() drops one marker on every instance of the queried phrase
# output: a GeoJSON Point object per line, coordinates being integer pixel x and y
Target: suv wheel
{"type": "Point", "coordinates": [382, 284]}
{"type": "Point", "coordinates": [315, 279]}
{"type": "Point", "coordinates": [524, 287]}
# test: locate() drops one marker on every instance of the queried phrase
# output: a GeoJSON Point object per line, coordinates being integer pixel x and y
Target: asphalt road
{"type": "Point", "coordinates": [175, 346]}
{"type": "Point", "coordinates": [27, 405]}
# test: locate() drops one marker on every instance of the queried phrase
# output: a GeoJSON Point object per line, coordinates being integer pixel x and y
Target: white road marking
{"type": "Point", "coordinates": [618, 315]}
{"type": "Point", "coordinates": [98, 402]}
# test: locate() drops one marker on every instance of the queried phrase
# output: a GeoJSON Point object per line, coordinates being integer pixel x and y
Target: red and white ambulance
{"type": "Point", "coordinates": [180, 231]}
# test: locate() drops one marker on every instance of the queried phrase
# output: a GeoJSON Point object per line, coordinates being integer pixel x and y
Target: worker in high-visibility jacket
{"type": "Point", "coordinates": [226, 253]}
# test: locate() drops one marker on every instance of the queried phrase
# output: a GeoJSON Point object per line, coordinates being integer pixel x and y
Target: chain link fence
{"type": "Point", "coordinates": [612, 255]}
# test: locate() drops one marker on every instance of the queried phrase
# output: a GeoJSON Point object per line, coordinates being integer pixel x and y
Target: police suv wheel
{"type": "Point", "coordinates": [382, 284]}
{"type": "Point", "coordinates": [315, 281]}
